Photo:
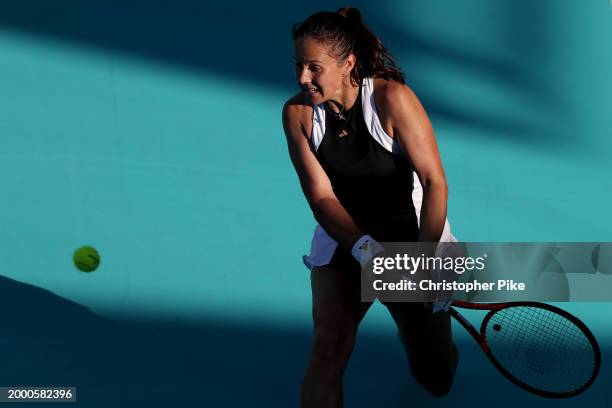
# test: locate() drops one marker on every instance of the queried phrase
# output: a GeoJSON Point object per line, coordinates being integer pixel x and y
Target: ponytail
{"type": "Point", "coordinates": [346, 33]}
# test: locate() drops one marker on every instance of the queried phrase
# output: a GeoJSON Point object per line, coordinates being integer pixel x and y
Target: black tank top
{"type": "Point", "coordinates": [372, 184]}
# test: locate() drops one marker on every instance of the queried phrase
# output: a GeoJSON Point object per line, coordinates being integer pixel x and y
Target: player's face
{"type": "Point", "coordinates": [319, 74]}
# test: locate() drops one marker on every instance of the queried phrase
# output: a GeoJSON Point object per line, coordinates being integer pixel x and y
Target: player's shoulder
{"type": "Point", "coordinates": [297, 115]}
{"type": "Point", "coordinates": [392, 96]}
{"type": "Point", "coordinates": [389, 91]}
{"type": "Point", "coordinates": [297, 108]}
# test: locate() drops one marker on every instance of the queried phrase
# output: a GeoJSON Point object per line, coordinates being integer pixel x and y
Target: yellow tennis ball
{"type": "Point", "coordinates": [86, 259]}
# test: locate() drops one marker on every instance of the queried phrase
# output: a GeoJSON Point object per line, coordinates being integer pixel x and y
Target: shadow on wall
{"type": "Point", "coordinates": [244, 41]}
{"type": "Point", "coordinates": [46, 340]}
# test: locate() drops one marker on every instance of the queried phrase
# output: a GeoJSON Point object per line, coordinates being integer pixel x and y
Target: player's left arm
{"type": "Point", "coordinates": [413, 131]}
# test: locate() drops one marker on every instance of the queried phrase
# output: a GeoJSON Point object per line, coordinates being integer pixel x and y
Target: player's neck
{"type": "Point", "coordinates": [344, 101]}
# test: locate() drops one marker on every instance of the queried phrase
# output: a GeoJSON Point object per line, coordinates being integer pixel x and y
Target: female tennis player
{"type": "Point", "coordinates": [368, 163]}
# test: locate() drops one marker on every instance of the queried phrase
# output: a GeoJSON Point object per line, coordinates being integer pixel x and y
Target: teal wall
{"type": "Point", "coordinates": [152, 132]}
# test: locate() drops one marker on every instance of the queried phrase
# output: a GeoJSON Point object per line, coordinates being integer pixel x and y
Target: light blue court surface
{"type": "Point", "coordinates": [152, 131]}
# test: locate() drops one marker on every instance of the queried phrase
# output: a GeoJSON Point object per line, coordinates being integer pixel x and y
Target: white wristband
{"type": "Point", "coordinates": [365, 248]}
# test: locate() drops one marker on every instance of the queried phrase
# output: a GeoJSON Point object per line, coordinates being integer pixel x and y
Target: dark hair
{"type": "Point", "coordinates": [346, 33]}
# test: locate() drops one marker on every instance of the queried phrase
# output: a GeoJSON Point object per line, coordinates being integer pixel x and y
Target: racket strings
{"type": "Point", "coordinates": [544, 351]}
{"type": "Point", "coordinates": [530, 357]}
{"type": "Point", "coordinates": [535, 349]}
{"type": "Point", "coordinates": [541, 348]}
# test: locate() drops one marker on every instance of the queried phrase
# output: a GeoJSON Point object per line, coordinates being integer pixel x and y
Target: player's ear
{"type": "Point", "coordinates": [349, 63]}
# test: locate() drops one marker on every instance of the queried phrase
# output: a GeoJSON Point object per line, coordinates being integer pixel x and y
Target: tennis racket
{"type": "Point", "coordinates": [540, 348]}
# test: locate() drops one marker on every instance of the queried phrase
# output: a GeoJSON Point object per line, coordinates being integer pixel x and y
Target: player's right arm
{"type": "Point", "coordinates": [317, 188]}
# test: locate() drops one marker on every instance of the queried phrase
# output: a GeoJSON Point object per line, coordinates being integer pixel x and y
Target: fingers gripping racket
{"type": "Point", "coordinates": [541, 348]}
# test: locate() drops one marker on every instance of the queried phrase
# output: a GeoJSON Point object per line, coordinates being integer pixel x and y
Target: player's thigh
{"type": "Point", "coordinates": [336, 299]}
{"type": "Point", "coordinates": [427, 336]}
